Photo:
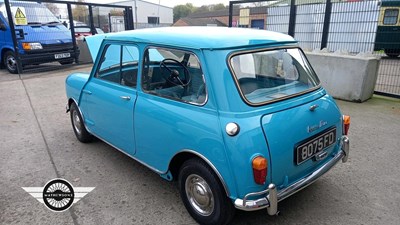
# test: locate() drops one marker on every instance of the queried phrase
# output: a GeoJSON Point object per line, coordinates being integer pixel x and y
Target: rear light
{"type": "Point", "coordinates": [259, 169]}
{"type": "Point", "coordinates": [346, 124]}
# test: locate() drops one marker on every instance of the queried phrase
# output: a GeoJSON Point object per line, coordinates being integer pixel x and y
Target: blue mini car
{"type": "Point", "coordinates": [237, 116]}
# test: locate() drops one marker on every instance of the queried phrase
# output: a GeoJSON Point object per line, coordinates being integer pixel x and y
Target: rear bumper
{"type": "Point", "coordinates": [271, 200]}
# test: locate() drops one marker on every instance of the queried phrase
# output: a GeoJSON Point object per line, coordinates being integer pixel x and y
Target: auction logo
{"type": "Point", "coordinates": [58, 194]}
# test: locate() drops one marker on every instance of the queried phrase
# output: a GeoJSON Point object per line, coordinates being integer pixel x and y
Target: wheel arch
{"type": "Point", "coordinates": [70, 101]}
{"type": "Point", "coordinates": [179, 158]}
{"type": "Point", "coordinates": [3, 51]}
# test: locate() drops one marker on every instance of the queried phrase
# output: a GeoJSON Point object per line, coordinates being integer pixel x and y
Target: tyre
{"type": "Point", "coordinates": [392, 53]}
{"type": "Point", "coordinates": [10, 62]}
{"type": "Point", "coordinates": [78, 126]}
{"type": "Point", "coordinates": [203, 195]}
{"type": "Point", "coordinates": [66, 62]}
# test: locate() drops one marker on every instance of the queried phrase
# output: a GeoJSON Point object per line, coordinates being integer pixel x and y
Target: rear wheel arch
{"type": "Point", "coordinates": [70, 101]}
{"type": "Point", "coordinates": [180, 158]}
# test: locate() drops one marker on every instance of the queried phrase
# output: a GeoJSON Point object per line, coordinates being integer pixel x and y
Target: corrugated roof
{"type": "Point", "coordinates": [202, 21]}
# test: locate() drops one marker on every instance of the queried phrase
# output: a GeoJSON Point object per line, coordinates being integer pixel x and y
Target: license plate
{"type": "Point", "coordinates": [315, 145]}
{"type": "Point", "coordinates": [62, 55]}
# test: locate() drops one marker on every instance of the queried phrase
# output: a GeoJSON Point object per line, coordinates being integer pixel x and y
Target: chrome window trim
{"type": "Point", "coordinates": [104, 50]}
{"type": "Point", "coordinates": [168, 97]}
{"type": "Point", "coordinates": [233, 74]}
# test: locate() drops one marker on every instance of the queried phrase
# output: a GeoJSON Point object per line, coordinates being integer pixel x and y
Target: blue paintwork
{"type": "Point", "coordinates": [43, 34]}
{"type": "Point", "coordinates": [165, 127]}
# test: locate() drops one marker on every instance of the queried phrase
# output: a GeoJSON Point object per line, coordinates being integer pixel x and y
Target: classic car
{"type": "Point", "coordinates": [237, 116]}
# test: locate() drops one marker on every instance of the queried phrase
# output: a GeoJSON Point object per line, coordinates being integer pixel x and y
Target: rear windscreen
{"type": "Point", "coordinates": [269, 75]}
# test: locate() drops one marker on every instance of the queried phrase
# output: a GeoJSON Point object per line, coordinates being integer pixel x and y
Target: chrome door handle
{"type": "Point", "coordinates": [127, 98]}
{"type": "Point", "coordinates": [87, 92]}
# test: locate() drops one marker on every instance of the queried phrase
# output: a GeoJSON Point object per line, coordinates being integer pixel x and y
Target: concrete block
{"type": "Point", "coordinates": [346, 77]}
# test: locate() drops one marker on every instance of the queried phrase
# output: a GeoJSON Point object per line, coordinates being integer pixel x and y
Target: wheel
{"type": "Point", "coordinates": [10, 62]}
{"type": "Point", "coordinates": [203, 195]}
{"type": "Point", "coordinates": [392, 53]}
{"type": "Point", "coordinates": [66, 62]}
{"type": "Point", "coordinates": [78, 126]}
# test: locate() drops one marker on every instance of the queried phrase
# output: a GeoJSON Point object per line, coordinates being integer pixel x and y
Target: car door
{"type": "Point", "coordinates": [171, 114]}
{"type": "Point", "coordinates": [109, 98]}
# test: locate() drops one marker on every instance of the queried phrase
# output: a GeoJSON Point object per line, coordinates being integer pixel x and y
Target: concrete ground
{"type": "Point", "coordinates": [37, 144]}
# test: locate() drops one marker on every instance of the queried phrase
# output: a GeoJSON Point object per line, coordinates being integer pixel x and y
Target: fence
{"type": "Point", "coordinates": [351, 26]}
{"type": "Point", "coordinates": [51, 32]}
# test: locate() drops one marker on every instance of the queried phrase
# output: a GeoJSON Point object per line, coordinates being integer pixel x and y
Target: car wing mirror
{"type": "Point", "coordinates": [3, 27]}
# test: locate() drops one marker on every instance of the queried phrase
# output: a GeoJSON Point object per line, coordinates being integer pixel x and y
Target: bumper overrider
{"type": "Point", "coordinates": [271, 200]}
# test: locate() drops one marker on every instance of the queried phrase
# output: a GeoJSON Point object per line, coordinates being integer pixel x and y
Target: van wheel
{"type": "Point", "coordinates": [10, 62]}
{"type": "Point", "coordinates": [392, 53]}
{"type": "Point", "coordinates": [203, 195]}
{"type": "Point", "coordinates": [78, 125]}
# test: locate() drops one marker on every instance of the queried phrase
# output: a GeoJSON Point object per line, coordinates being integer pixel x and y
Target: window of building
{"type": "Point", "coordinates": [153, 20]}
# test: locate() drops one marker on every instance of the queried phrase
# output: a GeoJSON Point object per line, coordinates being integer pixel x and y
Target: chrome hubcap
{"type": "Point", "coordinates": [76, 122]}
{"type": "Point", "coordinates": [199, 195]}
{"type": "Point", "coordinates": [11, 63]}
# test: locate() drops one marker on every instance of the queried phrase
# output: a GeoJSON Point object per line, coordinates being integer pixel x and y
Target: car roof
{"type": "Point", "coordinates": [203, 37]}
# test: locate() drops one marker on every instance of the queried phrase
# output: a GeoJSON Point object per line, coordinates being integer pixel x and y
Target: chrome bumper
{"type": "Point", "coordinates": [271, 200]}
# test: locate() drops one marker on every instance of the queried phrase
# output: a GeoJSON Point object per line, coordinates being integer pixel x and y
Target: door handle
{"type": "Point", "coordinates": [127, 98]}
{"type": "Point", "coordinates": [87, 92]}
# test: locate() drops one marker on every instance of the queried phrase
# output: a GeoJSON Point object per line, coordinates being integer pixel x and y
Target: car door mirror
{"type": "Point", "coordinates": [3, 27]}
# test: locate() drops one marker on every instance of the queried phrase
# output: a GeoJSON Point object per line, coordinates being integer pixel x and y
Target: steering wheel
{"type": "Point", "coordinates": [173, 77]}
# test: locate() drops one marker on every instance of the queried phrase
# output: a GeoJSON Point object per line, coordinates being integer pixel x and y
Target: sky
{"type": "Point", "coordinates": [172, 3]}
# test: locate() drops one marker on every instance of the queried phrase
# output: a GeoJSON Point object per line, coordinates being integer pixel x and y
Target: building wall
{"type": "Point", "coordinates": [235, 19]}
{"type": "Point", "coordinates": [147, 9]}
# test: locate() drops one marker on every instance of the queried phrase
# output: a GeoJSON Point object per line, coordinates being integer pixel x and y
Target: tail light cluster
{"type": "Point", "coordinates": [346, 124]}
{"type": "Point", "coordinates": [260, 169]}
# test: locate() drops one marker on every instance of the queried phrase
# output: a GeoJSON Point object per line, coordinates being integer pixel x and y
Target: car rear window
{"type": "Point", "coordinates": [270, 75]}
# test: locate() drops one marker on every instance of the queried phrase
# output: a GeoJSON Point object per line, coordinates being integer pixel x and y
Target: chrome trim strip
{"type": "Point", "coordinates": [139, 161]}
{"type": "Point", "coordinates": [152, 168]}
{"type": "Point", "coordinates": [271, 200]}
{"type": "Point", "coordinates": [210, 164]}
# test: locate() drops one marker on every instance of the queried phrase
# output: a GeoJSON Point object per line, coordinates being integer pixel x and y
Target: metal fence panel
{"type": "Point", "coordinates": [278, 19]}
{"type": "Point", "coordinates": [353, 26]}
{"type": "Point", "coordinates": [346, 26]}
{"type": "Point", "coordinates": [51, 33]}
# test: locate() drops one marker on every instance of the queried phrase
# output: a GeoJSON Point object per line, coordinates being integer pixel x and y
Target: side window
{"type": "Point", "coordinates": [119, 64]}
{"type": "Point", "coordinates": [174, 74]}
{"type": "Point", "coordinates": [390, 17]}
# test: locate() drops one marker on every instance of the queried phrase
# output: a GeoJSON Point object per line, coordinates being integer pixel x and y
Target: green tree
{"type": "Point", "coordinates": [212, 7]}
{"type": "Point", "coordinates": [181, 11]}
{"type": "Point", "coordinates": [80, 12]}
{"type": "Point", "coordinates": [53, 8]}
{"type": "Point", "coordinates": [218, 7]}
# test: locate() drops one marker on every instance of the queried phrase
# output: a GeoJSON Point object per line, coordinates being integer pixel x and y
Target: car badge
{"type": "Point", "coordinates": [315, 127]}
